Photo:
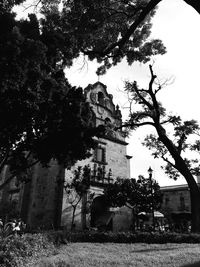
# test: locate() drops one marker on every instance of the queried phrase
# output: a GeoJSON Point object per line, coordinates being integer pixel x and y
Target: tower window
{"type": "Point", "coordinates": [101, 98]}
{"type": "Point", "coordinates": [166, 201]}
{"type": "Point", "coordinates": [100, 155]}
{"type": "Point", "coordinates": [182, 203]}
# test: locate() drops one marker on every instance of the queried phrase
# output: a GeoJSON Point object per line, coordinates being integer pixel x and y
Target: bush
{"type": "Point", "coordinates": [18, 250]}
{"type": "Point", "coordinates": [129, 237]}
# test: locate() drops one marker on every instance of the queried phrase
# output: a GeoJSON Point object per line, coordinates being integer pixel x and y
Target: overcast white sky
{"type": "Point", "coordinates": [177, 25]}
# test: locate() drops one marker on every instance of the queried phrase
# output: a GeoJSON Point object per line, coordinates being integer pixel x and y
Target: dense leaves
{"type": "Point", "coordinates": [42, 117]}
{"type": "Point", "coordinates": [95, 27]}
{"type": "Point", "coordinates": [140, 195]}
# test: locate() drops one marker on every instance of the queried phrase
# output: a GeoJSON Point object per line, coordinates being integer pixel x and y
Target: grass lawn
{"type": "Point", "coordinates": [121, 255]}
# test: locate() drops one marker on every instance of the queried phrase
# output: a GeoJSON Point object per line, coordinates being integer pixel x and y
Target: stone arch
{"type": "Point", "coordinates": [107, 121]}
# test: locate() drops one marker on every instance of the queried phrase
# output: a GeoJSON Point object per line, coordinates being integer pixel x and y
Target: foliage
{"type": "Point", "coordinates": [39, 109]}
{"type": "Point", "coordinates": [12, 227]}
{"type": "Point", "coordinates": [104, 30]}
{"type": "Point", "coordinates": [80, 181]}
{"type": "Point", "coordinates": [140, 195]}
{"type": "Point", "coordinates": [129, 237]}
{"type": "Point", "coordinates": [18, 250]}
{"type": "Point", "coordinates": [8, 210]}
{"type": "Point", "coordinates": [77, 187]}
{"type": "Point", "coordinates": [94, 26]}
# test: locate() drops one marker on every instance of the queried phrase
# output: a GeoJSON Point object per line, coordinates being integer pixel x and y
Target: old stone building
{"type": "Point", "coordinates": [43, 203]}
{"type": "Point", "coordinates": [176, 206]}
{"type": "Point", "coordinates": [109, 161]}
{"type": "Point", "coordinates": [176, 199]}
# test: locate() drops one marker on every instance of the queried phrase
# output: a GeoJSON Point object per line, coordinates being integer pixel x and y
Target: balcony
{"type": "Point", "coordinates": [100, 181]}
{"type": "Point", "coordinates": [100, 178]}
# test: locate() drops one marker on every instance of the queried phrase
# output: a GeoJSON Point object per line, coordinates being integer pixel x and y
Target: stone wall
{"type": "Point", "coordinates": [123, 219]}
{"type": "Point", "coordinates": [176, 199]}
{"type": "Point", "coordinates": [116, 159]}
{"type": "Point", "coordinates": [42, 202]}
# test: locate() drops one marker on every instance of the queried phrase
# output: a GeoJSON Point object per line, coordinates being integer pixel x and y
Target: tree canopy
{"type": "Point", "coordinates": [42, 117]}
{"type": "Point", "coordinates": [102, 30]}
{"type": "Point", "coordinates": [139, 195]}
{"type": "Point", "coordinates": [111, 30]}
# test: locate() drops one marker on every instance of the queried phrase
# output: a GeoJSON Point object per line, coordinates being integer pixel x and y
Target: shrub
{"type": "Point", "coordinates": [17, 250]}
{"type": "Point", "coordinates": [129, 237]}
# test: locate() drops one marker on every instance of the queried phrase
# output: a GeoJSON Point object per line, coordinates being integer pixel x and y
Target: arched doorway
{"type": "Point", "coordinates": [101, 217]}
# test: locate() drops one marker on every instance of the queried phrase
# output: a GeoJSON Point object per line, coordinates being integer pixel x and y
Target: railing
{"type": "Point", "coordinates": [100, 181]}
{"type": "Point", "coordinates": [99, 177]}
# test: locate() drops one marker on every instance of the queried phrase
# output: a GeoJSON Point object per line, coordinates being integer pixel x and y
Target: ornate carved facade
{"type": "Point", "coordinates": [109, 161]}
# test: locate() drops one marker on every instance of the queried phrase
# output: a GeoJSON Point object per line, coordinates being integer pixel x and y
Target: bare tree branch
{"type": "Point", "coordinates": [143, 100]}
{"type": "Point", "coordinates": [181, 142]}
{"type": "Point", "coordinates": [134, 125]}
{"type": "Point", "coordinates": [169, 162]}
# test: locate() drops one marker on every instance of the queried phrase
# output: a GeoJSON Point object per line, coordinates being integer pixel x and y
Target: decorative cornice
{"type": "Point", "coordinates": [115, 140]}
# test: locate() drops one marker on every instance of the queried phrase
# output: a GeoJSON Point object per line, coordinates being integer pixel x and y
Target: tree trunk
{"type": "Point", "coordinates": [194, 4]}
{"type": "Point", "coordinates": [59, 196]}
{"type": "Point", "coordinates": [83, 212]}
{"type": "Point", "coordinates": [182, 167]}
{"type": "Point", "coordinates": [73, 216]}
{"type": "Point", "coordinates": [195, 210]}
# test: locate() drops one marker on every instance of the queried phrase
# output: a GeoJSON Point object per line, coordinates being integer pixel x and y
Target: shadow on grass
{"type": "Point", "coordinates": [196, 264]}
{"type": "Point", "coordinates": [153, 250]}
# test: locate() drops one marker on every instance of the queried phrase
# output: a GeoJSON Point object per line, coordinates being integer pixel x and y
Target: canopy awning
{"type": "Point", "coordinates": [157, 214]}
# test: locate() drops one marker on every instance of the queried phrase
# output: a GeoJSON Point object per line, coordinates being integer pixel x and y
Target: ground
{"type": "Point", "coordinates": [124, 255]}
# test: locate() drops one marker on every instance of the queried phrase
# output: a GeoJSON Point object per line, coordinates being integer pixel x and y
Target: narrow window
{"type": "Point", "coordinates": [166, 201]}
{"type": "Point", "coordinates": [101, 98]}
{"type": "Point", "coordinates": [100, 155]}
{"type": "Point", "coordinates": [182, 202]}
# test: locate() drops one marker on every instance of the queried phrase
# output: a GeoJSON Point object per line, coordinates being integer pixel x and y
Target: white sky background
{"type": "Point", "coordinates": [177, 25]}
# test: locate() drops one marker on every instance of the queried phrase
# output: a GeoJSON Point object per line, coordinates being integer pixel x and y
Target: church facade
{"type": "Point", "coordinates": [42, 203]}
{"type": "Point", "coordinates": [108, 162]}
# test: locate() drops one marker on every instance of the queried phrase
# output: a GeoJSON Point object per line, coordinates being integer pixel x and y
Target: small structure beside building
{"type": "Point", "coordinates": [176, 206]}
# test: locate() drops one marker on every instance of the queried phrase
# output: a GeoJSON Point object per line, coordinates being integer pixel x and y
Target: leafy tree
{"type": "Point", "coordinates": [141, 195]}
{"type": "Point", "coordinates": [77, 188]}
{"type": "Point", "coordinates": [42, 117]}
{"type": "Point", "coordinates": [111, 30]}
{"type": "Point", "coordinates": [108, 30]}
{"type": "Point", "coordinates": [94, 28]}
{"type": "Point", "coordinates": [39, 109]}
{"type": "Point", "coordinates": [171, 148]}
